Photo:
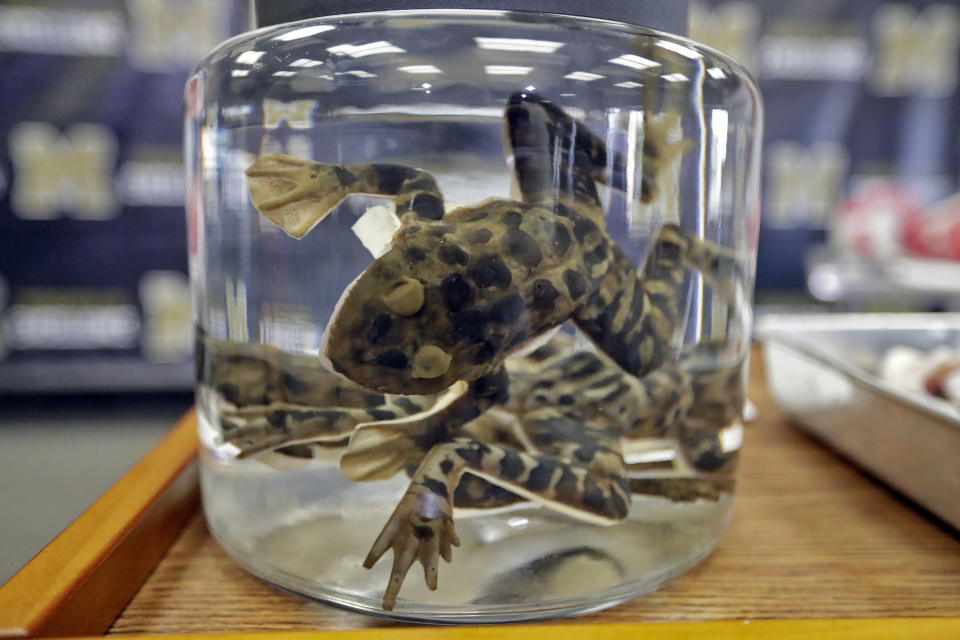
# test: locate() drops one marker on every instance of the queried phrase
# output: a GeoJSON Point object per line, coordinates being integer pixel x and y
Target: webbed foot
{"type": "Point", "coordinates": [420, 528]}
{"type": "Point", "coordinates": [292, 193]}
{"type": "Point", "coordinates": [380, 449]}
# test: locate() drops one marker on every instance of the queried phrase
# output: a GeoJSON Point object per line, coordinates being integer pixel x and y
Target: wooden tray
{"type": "Point", "coordinates": [815, 546]}
{"type": "Point", "coordinates": [80, 582]}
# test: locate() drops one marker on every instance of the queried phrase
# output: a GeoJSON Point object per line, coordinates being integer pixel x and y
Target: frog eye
{"type": "Point", "coordinates": [430, 362]}
{"type": "Point", "coordinates": [406, 298]}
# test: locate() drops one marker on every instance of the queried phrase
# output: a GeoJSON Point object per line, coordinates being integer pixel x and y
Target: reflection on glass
{"type": "Point", "coordinates": [305, 62]}
{"type": "Point", "coordinates": [249, 57]}
{"type": "Point", "coordinates": [635, 62]}
{"type": "Point", "coordinates": [420, 69]}
{"type": "Point", "coordinates": [586, 76]}
{"type": "Point", "coordinates": [686, 52]}
{"type": "Point", "coordinates": [518, 44]}
{"type": "Point", "coordinates": [506, 70]}
{"type": "Point", "coordinates": [363, 50]}
{"type": "Point", "coordinates": [358, 73]}
{"type": "Point", "coordinates": [304, 32]}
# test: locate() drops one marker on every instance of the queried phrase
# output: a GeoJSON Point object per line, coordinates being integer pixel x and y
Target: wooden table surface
{"type": "Point", "coordinates": [812, 537]}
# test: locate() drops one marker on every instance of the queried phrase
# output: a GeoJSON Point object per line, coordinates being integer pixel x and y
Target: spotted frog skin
{"type": "Point", "coordinates": [459, 292]}
{"type": "Point", "coordinates": [564, 405]}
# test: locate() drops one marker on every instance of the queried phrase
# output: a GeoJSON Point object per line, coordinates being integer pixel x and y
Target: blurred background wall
{"type": "Point", "coordinates": [93, 285]}
{"type": "Point", "coordinates": [860, 210]}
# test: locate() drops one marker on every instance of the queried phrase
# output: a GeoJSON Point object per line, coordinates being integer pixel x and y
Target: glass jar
{"type": "Point", "coordinates": [470, 286]}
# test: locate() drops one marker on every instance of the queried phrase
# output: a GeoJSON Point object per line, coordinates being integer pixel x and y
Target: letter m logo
{"type": "Point", "coordinates": [71, 173]}
{"type": "Point", "coordinates": [916, 53]}
{"type": "Point", "coordinates": [804, 184]}
{"type": "Point", "coordinates": [731, 27]}
{"type": "Point", "coordinates": [297, 113]}
{"type": "Point", "coordinates": [165, 33]}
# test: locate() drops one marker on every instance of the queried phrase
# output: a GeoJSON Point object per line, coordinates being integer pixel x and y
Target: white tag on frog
{"type": "Point", "coordinates": [375, 228]}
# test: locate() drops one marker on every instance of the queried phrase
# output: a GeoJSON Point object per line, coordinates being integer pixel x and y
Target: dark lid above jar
{"type": "Point", "coordinates": [664, 15]}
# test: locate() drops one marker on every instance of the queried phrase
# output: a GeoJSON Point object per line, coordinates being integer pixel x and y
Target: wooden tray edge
{"type": "Point", "coordinates": [81, 581]}
{"type": "Point", "coordinates": [845, 629]}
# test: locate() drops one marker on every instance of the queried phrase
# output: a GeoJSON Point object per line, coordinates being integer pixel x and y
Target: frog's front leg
{"type": "Point", "coordinates": [296, 194]}
{"type": "Point", "coordinates": [583, 476]}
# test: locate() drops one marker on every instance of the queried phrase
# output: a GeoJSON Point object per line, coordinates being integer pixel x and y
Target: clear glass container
{"type": "Point", "coordinates": [474, 286]}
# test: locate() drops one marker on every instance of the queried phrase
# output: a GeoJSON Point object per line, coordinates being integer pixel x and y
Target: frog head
{"type": "Point", "coordinates": [418, 320]}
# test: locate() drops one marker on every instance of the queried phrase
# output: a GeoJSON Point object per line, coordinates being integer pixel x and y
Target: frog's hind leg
{"type": "Point", "coordinates": [288, 434]}
{"type": "Point", "coordinates": [718, 395]}
{"type": "Point", "coordinates": [674, 249]}
{"type": "Point", "coordinates": [712, 399]}
{"type": "Point", "coordinates": [501, 426]}
{"type": "Point", "coordinates": [256, 429]}
{"type": "Point", "coordinates": [555, 157]}
{"type": "Point", "coordinates": [590, 485]}
{"type": "Point", "coordinates": [660, 153]}
{"type": "Point", "coordinates": [633, 317]}
{"type": "Point", "coordinates": [296, 194]}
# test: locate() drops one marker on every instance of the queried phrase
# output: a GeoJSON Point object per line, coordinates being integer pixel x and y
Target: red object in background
{"type": "Point", "coordinates": [934, 382]}
{"type": "Point", "coordinates": [934, 233]}
{"type": "Point", "coordinates": [871, 221]}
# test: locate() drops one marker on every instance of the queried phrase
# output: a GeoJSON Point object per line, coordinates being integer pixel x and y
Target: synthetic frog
{"type": "Point", "coordinates": [458, 292]}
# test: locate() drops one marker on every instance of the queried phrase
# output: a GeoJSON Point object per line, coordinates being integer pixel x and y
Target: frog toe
{"type": "Point", "coordinates": [420, 528]}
